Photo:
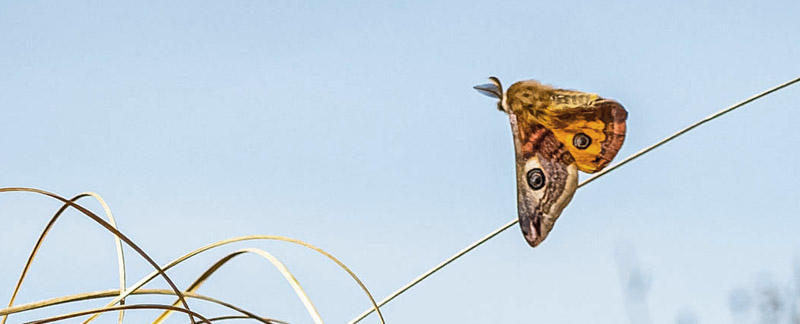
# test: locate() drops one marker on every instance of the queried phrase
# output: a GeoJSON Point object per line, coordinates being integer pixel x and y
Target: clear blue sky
{"type": "Point", "coordinates": [355, 127]}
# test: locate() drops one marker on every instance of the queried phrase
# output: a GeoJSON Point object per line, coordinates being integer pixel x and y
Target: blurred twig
{"type": "Point", "coordinates": [635, 285]}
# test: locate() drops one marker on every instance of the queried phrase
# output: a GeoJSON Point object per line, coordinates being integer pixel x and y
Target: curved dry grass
{"type": "Point", "coordinates": [119, 295]}
{"type": "Point", "coordinates": [49, 226]}
{"type": "Point", "coordinates": [221, 243]}
{"type": "Point", "coordinates": [312, 311]}
{"type": "Point", "coordinates": [116, 308]}
{"type": "Point", "coordinates": [111, 293]}
{"type": "Point", "coordinates": [117, 233]}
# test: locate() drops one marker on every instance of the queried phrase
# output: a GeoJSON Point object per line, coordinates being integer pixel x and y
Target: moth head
{"type": "Point", "coordinates": [545, 187]}
{"type": "Point", "coordinates": [493, 89]}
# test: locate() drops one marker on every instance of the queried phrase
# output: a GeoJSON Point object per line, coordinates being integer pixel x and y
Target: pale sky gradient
{"type": "Point", "coordinates": [355, 127]}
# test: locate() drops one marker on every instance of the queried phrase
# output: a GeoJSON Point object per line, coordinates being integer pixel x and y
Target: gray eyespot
{"type": "Point", "coordinates": [581, 141]}
{"type": "Point", "coordinates": [536, 179]}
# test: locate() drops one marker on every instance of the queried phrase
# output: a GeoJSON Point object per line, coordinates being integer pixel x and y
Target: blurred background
{"type": "Point", "coordinates": [355, 127]}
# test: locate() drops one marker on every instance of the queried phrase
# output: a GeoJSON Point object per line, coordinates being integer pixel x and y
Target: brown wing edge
{"type": "Point", "coordinates": [613, 115]}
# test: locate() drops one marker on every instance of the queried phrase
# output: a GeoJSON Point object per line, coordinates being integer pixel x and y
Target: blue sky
{"type": "Point", "coordinates": [354, 127]}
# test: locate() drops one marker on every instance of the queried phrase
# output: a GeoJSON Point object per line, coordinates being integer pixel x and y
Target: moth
{"type": "Point", "coordinates": [557, 133]}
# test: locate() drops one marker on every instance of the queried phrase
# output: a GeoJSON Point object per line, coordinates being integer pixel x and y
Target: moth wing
{"type": "Point", "coordinates": [601, 120]}
{"type": "Point", "coordinates": [539, 204]}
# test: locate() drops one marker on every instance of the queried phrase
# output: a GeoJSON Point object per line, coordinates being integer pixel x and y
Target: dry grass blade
{"type": "Point", "coordinates": [585, 182]}
{"type": "Point", "coordinates": [275, 262]}
{"type": "Point", "coordinates": [189, 255]}
{"type": "Point", "coordinates": [113, 293]}
{"type": "Point", "coordinates": [225, 318]}
{"type": "Point", "coordinates": [116, 308]}
{"type": "Point", "coordinates": [37, 246]}
{"type": "Point", "coordinates": [119, 234]}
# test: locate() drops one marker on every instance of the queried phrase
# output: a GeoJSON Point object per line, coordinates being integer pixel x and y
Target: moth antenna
{"type": "Point", "coordinates": [494, 80]}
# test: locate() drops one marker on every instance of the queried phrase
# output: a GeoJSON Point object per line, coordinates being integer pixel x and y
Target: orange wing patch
{"type": "Point", "coordinates": [605, 129]}
{"type": "Point", "coordinates": [592, 128]}
{"type": "Point", "coordinates": [585, 158]}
